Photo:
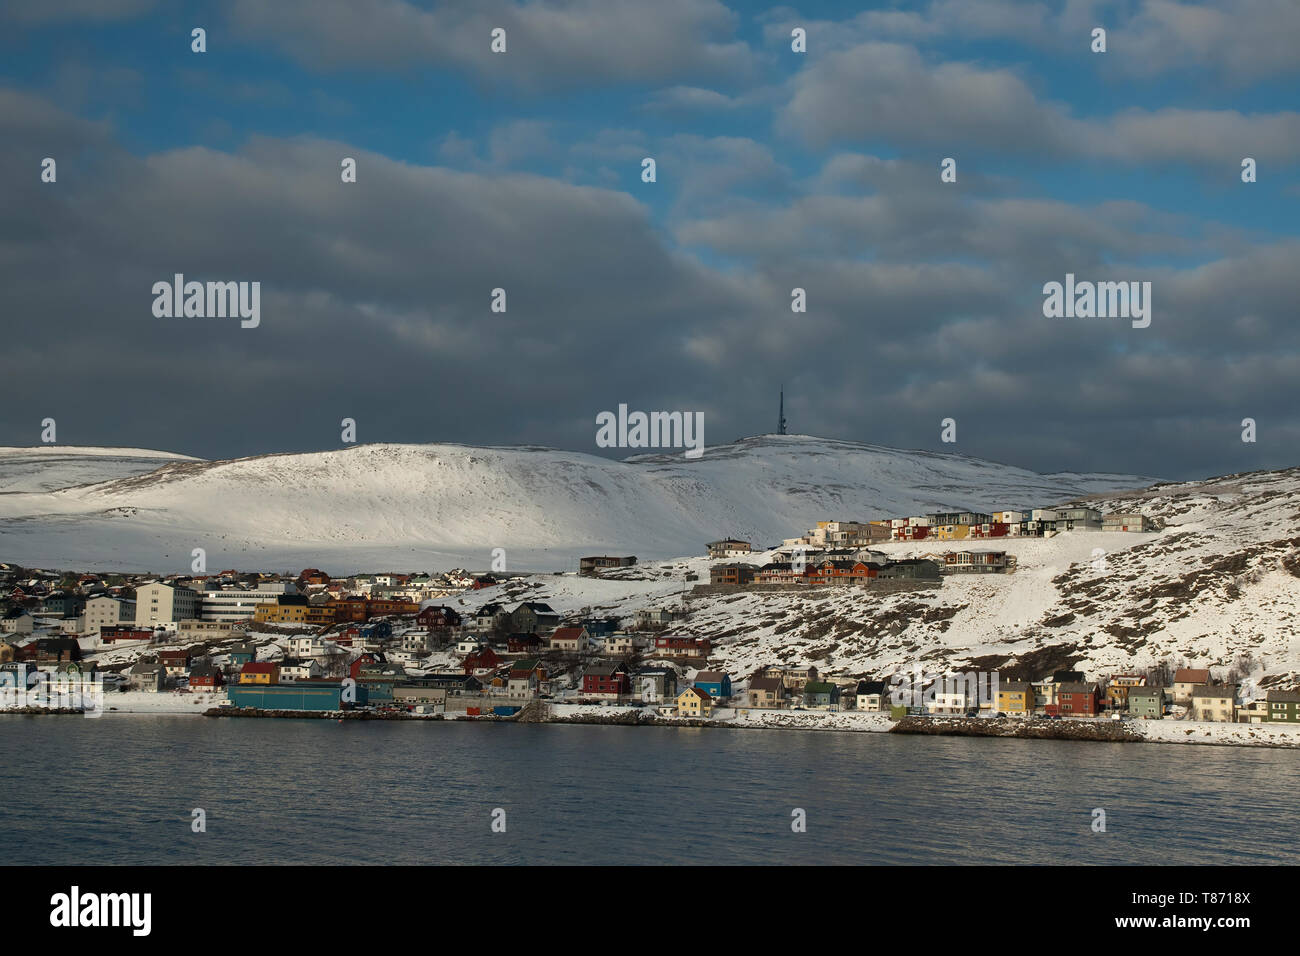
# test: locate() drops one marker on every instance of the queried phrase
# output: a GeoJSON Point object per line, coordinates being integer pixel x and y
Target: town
{"type": "Point", "coordinates": [392, 644]}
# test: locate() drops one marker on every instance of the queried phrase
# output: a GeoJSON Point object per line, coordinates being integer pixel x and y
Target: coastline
{"type": "Point", "coordinates": [1277, 736]}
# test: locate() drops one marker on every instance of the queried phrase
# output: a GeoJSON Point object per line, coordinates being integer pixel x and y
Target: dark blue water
{"type": "Point", "coordinates": [121, 790]}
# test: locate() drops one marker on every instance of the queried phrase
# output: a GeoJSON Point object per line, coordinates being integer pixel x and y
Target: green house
{"type": "Point", "coordinates": [1146, 702]}
{"type": "Point", "coordinates": [1283, 706]}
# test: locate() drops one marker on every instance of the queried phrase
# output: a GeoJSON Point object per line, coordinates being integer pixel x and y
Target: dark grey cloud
{"type": "Point", "coordinates": [922, 305]}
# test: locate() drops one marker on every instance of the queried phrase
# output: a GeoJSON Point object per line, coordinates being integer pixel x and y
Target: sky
{"type": "Point", "coordinates": [522, 170]}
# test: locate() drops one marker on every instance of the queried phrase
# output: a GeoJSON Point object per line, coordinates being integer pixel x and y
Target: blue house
{"type": "Point", "coordinates": [717, 684]}
{"type": "Point", "coordinates": [241, 655]}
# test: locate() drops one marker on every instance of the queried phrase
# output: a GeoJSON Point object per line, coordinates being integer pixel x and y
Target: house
{"type": "Point", "coordinates": [1015, 698]}
{"type": "Point", "coordinates": [241, 654]}
{"type": "Point", "coordinates": [732, 574]}
{"type": "Point", "coordinates": [62, 604]}
{"type": "Point", "coordinates": [146, 676]}
{"type": "Point", "coordinates": [717, 683]}
{"type": "Point", "coordinates": [977, 562]}
{"type": "Point", "coordinates": [175, 663]}
{"type": "Point", "coordinates": [593, 565]}
{"type": "Point", "coordinates": [260, 672]}
{"type": "Point", "coordinates": [436, 616]}
{"type": "Point", "coordinates": [312, 646]}
{"type": "Point", "coordinates": [618, 645]}
{"type": "Point", "coordinates": [524, 679]}
{"type": "Point", "coordinates": [693, 702]}
{"type": "Point", "coordinates": [205, 676]}
{"type": "Point", "coordinates": [491, 616]}
{"type": "Point", "coordinates": [599, 627]}
{"type": "Point", "coordinates": [481, 660]}
{"type": "Point", "coordinates": [16, 621]}
{"type": "Point", "coordinates": [454, 684]}
{"type": "Point", "coordinates": [533, 616]}
{"type": "Point", "coordinates": [573, 640]}
{"type": "Point", "coordinates": [1283, 706]}
{"type": "Point", "coordinates": [1216, 702]}
{"type": "Point", "coordinates": [655, 683]}
{"type": "Point", "coordinates": [820, 695]}
{"type": "Point", "coordinates": [649, 619]}
{"type": "Point", "coordinates": [1146, 703]}
{"type": "Point", "coordinates": [950, 698]}
{"type": "Point", "coordinates": [296, 669]}
{"type": "Point", "coordinates": [794, 678]}
{"type": "Point", "coordinates": [1126, 521]}
{"type": "Point", "coordinates": [1078, 699]}
{"type": "Point", "coordinates": [692, 647]}
{"type": "Point", "coordinates": [871, 696]}
{"type": "Point", "coordinates": [1187, 679]}
{"type": "Point", "coordinates": [609, 681]}
{"type": "Point", "coordinates": [912, 569]}
{"type": "Point", "coordinates": [51, 649]}
{"type": "Point", "coordinates": [415, 642]}
{"type": "Point", "coordinates": [524, 644]}
{"type": "Point", "coordinates": [124, 635]}
{"type": "Point", "coordinates": [1118, 687]}
{"type": "Point", "coordinates": [728, 548]}
{"type": "Point", "coordinates": [766, 692]}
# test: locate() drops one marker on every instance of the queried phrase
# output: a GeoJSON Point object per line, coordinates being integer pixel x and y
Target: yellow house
{"type": "Point", "coordinates": [1015, 698]}
{"type": "Point", "coordinates": [260, 672]}
{"type": "Point", "coordinates": [693, 702]}
{"type": "Point", "coordinates": [950, 532]}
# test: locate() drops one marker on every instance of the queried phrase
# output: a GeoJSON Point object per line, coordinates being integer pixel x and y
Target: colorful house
{"type": "Point", "coordinates": [1146, 703]}
{"type": "Point", "coordinates": [716, 683]}
{"type": "Point", "coordinates": [819, 695]}
{"type": "Point", "coordinates": [693, 702]}
{"type": "Point", "coordinates": [1078, 700]}
{"type": "Point", "coordinates": [260, 672]}
{"type": "Point", "coordinates": [1015, 698]}
{"type": "Point", "coordinates": [1283, 706]}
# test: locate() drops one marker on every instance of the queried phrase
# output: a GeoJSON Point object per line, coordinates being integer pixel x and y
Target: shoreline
{"type": "Point", "coordinates": [1276, 736]}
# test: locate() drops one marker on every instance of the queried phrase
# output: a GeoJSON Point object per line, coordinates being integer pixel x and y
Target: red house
{"type": "Point", "coordinates": [1078, 700]}
{"type": "Point", "coordinates": [482, 659]}
{"type": "Point", "coordinates": [606, 680]}
{"type": "Point", "coordinates": [365, 660]}
{"type": "Point", "coordinates": [523, 644]}
{"type": "Point", "coordinates": [117, 635]}
{"type": "Point", "coordinates": [437, 616]}
{"type": "Point", "coordinates": [203, 676]}
{"type": "Point", "coordinates": [683, 646]}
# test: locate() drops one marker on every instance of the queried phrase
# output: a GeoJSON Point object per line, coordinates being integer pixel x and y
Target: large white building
{"type": "Point", "coordinates": [160, 603]}
{"type": "Point", "coordinates": [105, 611]}
{"type": "Point", "coordinates": [239, 604]}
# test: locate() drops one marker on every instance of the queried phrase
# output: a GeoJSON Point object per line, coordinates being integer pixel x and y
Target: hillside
{"type": "Point", "coordinates": [440, 506]}
{"type": "Point", "coordinates": [1218, 587]}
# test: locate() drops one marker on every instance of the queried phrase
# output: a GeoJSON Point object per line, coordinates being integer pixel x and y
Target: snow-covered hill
{"type": "Point", "coordinates": [440, 506]}
{"type": "Point", "coordinates": [51, 467]}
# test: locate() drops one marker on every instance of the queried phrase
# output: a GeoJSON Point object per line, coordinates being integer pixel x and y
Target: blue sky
{"type": "Point", "coordinates": [775, 169]}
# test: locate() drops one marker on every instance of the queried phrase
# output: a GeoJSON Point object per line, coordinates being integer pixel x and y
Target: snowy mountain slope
{"type": "Point", "coordinates": [440, 506]}
{"type": "Point", "coordinates": [1218, 587]}
{"type": "Point", "coordinates": [51, 467]}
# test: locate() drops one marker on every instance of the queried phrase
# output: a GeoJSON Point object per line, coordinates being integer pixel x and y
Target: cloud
{"type": "Point", "coordinates": [902, 98]}
{"type": "Point", "coordinates": [550, 43]}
